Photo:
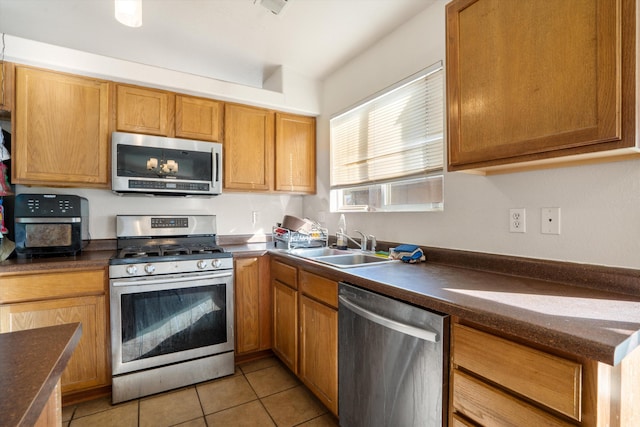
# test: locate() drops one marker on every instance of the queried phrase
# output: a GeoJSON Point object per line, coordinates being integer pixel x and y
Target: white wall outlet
{"type": "Point", "coordinates": [550, 221]}
{"type": "Point", "coordinates": [517, 220]}
{"type": "Point", "coordinates": [254, 217]}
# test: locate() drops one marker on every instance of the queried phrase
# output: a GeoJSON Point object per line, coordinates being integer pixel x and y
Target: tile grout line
{"type": "Point", "coordinates": [256, 393]}
{"type": "Point", "coordinates": [242, 372]}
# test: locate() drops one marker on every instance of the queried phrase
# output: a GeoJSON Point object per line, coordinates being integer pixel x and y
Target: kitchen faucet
{"type": "Point", "coordinates": [363, 240]}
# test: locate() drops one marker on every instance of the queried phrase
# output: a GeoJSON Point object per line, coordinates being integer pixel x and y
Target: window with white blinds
{"type": "Point", "coordinates": [391, 145]}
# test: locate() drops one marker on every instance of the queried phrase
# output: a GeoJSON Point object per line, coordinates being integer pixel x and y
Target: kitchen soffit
{"type": "Point", "coordinates": [237, 41]}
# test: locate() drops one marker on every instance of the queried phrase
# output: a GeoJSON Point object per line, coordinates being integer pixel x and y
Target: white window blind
{"type": "Point", "coordinates": [394, 135]}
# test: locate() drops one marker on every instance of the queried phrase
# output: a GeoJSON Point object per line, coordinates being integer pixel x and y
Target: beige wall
{"type": "Point", "coordinates": [600, 204]}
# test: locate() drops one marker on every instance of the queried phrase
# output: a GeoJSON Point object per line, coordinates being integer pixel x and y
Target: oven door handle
{"type": "Point", "coordinates": [171, 279]}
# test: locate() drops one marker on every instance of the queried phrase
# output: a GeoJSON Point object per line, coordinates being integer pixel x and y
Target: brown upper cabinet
{"type": "Point", "coordinates": [61, 134]}
{"type": "Point", "coordinates": [7, 70]}
{"type": "Point", "coordinates": [531, 83]}
{"type": "Point", "coordinates": [158, 112]}
{"type": "Point", "coordinates": [198, 118]}
{"type": "Point", "coordinates": [248, 148]}
{"type": "Point", "coordinates": [295, 154]}
{"type": "Point", "coordinates": [267, 151]}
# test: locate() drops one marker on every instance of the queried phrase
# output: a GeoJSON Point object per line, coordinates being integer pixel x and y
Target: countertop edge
{"type": "Point", "coordinates": [70, 334]}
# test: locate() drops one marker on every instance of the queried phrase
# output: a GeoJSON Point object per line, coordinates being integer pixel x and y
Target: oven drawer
{"type": "Point", "coordinates": [38, 286]}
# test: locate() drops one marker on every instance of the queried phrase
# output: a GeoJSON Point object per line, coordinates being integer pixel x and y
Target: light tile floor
{"type": "Point", "coordinates": [260, 393]}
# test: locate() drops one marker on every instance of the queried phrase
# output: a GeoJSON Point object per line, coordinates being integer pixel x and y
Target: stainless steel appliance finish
{"type": "Point", "coordinates": [158, 165]}
{"type": "Point", "coordinates": [50, 224]}
{"type": "Point", "coordinates": [391, 362]}
{"type": "Point", "coordinates": [171, 304]}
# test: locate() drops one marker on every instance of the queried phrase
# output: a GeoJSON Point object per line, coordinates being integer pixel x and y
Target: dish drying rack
{"type": "Point", "coordinates": [316, 237]}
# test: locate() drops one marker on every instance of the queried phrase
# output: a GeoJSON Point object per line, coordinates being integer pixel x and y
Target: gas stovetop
{"type": "Point", "coordinates": [166, 244]}
{"type": "Point", "coordinates": [141, 251]}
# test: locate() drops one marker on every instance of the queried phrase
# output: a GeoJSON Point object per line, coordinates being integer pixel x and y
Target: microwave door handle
{"type": "Point", "coordinates": [217, 167]}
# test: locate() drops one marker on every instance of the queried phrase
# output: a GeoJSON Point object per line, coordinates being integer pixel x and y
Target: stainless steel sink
{"type": "Point", "coordinates": [352, 260]}
{"type": "Point", "coordinates": [317, 252]}
{"type": "Point", "coordinates": [339, 258]}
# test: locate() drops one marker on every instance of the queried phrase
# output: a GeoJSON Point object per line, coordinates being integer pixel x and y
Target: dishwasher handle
{"type": "Point", "coordinates": [390, 323]}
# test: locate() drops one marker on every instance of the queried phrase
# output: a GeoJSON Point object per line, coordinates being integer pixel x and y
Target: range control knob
{"type": "Point", "coordinates": [131, 270]}
{"type": "Point", "coordinates": [216, 263]}
{"type": "Point", "coordinates": [202, 264]}
{"type": "Point", "coordinates": [149, 268]}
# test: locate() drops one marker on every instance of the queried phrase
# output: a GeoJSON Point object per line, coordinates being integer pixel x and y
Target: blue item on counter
{"type": "Point", "coordinates": [407, 253]}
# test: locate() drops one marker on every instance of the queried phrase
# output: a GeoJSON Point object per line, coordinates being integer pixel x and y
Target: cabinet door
{"type": "Point", "coordinates": [198, 118]}
{"type": "Point", "coordinates": [88, 367]}
{"type": "Point", "coordinates": [285, 324]}
{"type": "Point", "coordinates": [248, 148]}
{"type": "Point", "coordinates": [7, 70]}
{"type": "Point", "coordinates": [142, 110]}
{"type": "Point", "coordinates": [253, 305]}
{"type": "Point", "coordinates": [62, 132]}
{"type": "Point", "coordinates": [319, 351]}
{"type": "Point", "coordinates": [531, 80]}
{"type": "Point", "coordinates": [295, 162]}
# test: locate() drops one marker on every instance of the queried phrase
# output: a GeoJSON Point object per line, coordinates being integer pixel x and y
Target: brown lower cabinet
{"type": "Point", "coordinates": [318, 317]}
{"type": "Point", "coordinates": [252, 304]}
{"type": "Point", "coordinates": [305, 328]}
{"type": "Point", "coordinates": [47, 298]}
{"type": "Point", "coordinates": [284, 280]}
{"type": "Point", "coordinates": [500, 382]}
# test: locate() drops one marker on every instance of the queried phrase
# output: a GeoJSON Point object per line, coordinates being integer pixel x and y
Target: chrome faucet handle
{"type": "Point", "coordinates": [373, 241]}
{"type": "Point", "coordinates": [363, 240]}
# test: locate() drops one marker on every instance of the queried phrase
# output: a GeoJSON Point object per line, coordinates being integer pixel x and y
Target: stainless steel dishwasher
{"type": "Point", "coordinates": [392, 362]}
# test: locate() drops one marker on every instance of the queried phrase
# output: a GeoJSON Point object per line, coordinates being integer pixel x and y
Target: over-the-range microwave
{"type": "Point", "coordinates": [158, 165]}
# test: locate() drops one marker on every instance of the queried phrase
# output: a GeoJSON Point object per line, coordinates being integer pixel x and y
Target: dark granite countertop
{"type": "Point", "coordinates": [596, 324]}
{"type": "Point", "coordinates": [584, 310]}
{"type": "Point", "coordinates": [31, 362]}
{"type": "Point", "coordinates": [95, 256]}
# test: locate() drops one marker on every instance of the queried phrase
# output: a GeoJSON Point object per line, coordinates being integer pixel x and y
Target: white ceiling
{"type": "Point", "coordinates": [238, 41]}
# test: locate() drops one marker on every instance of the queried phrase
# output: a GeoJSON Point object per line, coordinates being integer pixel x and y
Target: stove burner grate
{"type": "Point", "coordinates": [167, 250]}
{"type": "Point", "coordinates": [205, 249]}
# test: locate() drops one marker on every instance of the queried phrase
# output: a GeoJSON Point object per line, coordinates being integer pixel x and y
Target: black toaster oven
{"type": "Point", "coordinates": [50, 224]}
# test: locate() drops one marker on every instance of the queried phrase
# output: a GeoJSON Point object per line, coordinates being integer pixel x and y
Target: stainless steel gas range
{"type": "Point", "coordinates": [171, 304]}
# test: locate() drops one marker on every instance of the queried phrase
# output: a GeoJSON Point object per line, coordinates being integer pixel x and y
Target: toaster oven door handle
{"type": "Point", "coordinates": [48, 220]}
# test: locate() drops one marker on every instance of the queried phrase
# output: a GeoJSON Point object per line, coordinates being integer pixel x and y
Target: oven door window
{"type": "Point", "coordinates": [152, 162]}
{"type": "Point", "coordinates": [163, 322]}
{"type": "Point", "coordinates": [47, 235]}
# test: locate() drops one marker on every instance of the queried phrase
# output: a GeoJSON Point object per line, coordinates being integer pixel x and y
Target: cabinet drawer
{"type": "Point", "coordinates": [550, 380]}
{"type": "Point", "coordinates": [32, 287]}
{"type": "Point", "coordinates": [319, 288]}
{"type": "Point", "coordinates": [488, 406]}
{"type": "Point", "coordinates": [456, 421]}
{"type": "Point", "coordinates": [285, 274]}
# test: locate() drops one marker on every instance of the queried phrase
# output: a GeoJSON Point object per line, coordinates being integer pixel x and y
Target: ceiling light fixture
{"type": "Point", "coordinates": [275, 6]}
{"type": "Point", "coordinates": [129, 12]}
